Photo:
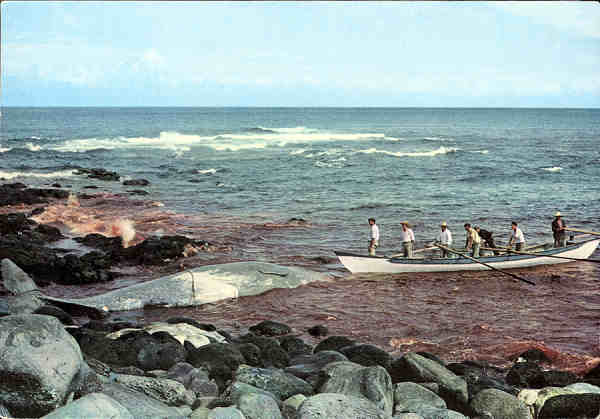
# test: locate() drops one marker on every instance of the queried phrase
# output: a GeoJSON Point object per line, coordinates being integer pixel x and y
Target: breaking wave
{"type": "Point", "coordinates": [431, 153]}
{"type": "Point", "coordinates": [13, 175]}
{"type": "Point", "coordinates": [552, 169]}
{"type": "Point", "coordinates": [253, 138]}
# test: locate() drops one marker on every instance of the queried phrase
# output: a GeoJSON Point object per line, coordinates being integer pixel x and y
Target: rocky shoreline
{"type": "Point", "coordinates": [53, 365]}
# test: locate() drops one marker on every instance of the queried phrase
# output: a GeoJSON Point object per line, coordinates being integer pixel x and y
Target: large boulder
{"type": "Point", "coordinates": [258, 406]}
{"type": "Point", "coordinates": [308, 367]}
{"type": "Point", "coordinates": [40, 364]}
{"type": "Point", "coordinates": [500, 405]}
{"type": "Point", "coordinates": [418, 369]}
{"type": "Point", "coordinates": [586, 405]}
{"type": "Point", "coordinates": [220, 359]}
{"type": "Point", "coordinates": [270, 328]}
{"type": "Point", "coordinates": [407, 394]}
{"type": "Point", "coordinates": [339, 406]}
{"type": "Point", "coordinates": [281, 384]}
{"type": "Point", "coordinates": [170, 392]}
{"type": "Point", "coordinates": [142, 406]}
{"type": "Point", "coordinates": [373, 383]}
{"type": "Point", "coordinates": [367, 355]}
{"type": "Point", "coordinates": [94, 405]}
{"type": "Point", "coordinates": [334, 343]}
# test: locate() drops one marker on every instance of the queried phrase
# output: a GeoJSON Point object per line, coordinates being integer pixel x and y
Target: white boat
{"type": "Point", "coordinates": [356, 263]}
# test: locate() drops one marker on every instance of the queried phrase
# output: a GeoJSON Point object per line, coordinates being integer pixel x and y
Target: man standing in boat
{"type": "Point", "coordinates": [473, 240]}
{"type": "Point", "coordinates": [516, 237]}
{"type": "Point", "coordinates": [445, 238]}
{"type": "Point", "coordinates": [408, 238]}
{"type": "Point", "coordinates": [558, 230]}
{"type": "Point", "coordinates": [374, 237]}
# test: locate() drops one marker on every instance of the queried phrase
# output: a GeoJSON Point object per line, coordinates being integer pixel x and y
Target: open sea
{"type": "Point", "coordinates": [238, 176]}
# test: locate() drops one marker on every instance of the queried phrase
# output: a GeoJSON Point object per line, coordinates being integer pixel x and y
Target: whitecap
{"type": "Point", "coordinates": [479, 151]}
{"type": "Point", "coordinates": [206, 171]}
{"type": "Point", "coordinates": [431, 153]}
{"type": "Point", "coordinates": [552, 169]}
{"type": "Point", "coordinates": [59, 174]}
{"type": "Point", "coordinates": [32, 147]}
{"type": "Point", "coordinates": [298, 151]}
{"type": "Point", "coordinates": [4, 150]}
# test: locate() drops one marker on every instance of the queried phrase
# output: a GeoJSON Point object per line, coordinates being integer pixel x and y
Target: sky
{"type": "Point", "coordinates": [396, 54]}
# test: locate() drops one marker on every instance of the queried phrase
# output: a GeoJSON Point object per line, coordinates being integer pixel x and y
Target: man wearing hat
{"type": "Point", "coordinates": [558, 230]}
{"type": "Point", "coordinates": [408, 238]}
{"type": "Point", "coordinates": [445, 238]}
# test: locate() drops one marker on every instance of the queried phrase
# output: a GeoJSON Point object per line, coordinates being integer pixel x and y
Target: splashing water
{"type": "Point", "coordinates": [125, 229]}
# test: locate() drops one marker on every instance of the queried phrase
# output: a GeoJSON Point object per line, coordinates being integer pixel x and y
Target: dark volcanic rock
{"type": "Point", "coordinates": [586, 405]}
{"type": "Point", "coordinates": [136, 182]}
{"type": "Point", "coordinates": [295, 346]}
{"type": "Point", "coordinates": [137, 192]}
{"type": "Point", "coordinates": [251, 354]}
{"type": "Point", "coordinates": [559, 378]}
{"type": "Point", "coordinates": [221, 360]}
{"type": "Point", "coordinates": [525, 375]}
{"type": "Point", "coordinates": [61, 315]}
{"type": "Point", "coordinates": [367, 355]}
{"type": "Point", "coordinates": [318, 330]}
{"type": "Point", "coordinates": [534, 355]}
{"type": "Point", "coordinates": [270, 328]}
{"type": "Point", "coordinates": [334, 343]}
{"type": "Point", "coordinates": [99, 173]}
{"type": "Point", "coordinates": [192, 322]}
{"type": "Point", "coordinates": [18, 193]}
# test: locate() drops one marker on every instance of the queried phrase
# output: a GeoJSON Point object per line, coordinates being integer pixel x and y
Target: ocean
{"type": "Point", "coordinates": [240, 176]}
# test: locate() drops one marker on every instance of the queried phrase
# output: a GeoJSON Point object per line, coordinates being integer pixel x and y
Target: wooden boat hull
{"type": "Point", "coordinates": [356, 263]}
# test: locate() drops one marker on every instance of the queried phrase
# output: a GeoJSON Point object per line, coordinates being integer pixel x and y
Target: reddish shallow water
{"type": "Point", "coordinates": [473, 315]}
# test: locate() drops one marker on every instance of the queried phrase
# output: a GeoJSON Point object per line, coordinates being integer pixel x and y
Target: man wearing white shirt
{"type": "Point", "coordinates": [444, 237]}
{"type": "Point", "coordinates": [374, 237]}
{"type": "Point", "coordinates": [408, 238]}
{"type": "Point", "coordinates": [517, 237]}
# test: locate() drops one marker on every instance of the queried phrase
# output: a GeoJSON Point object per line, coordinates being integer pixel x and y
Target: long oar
{"type": "Point", "coordinates": [595, 233]}
{"type": "Point", "coordinates": [485, 264]}
{"type": "Point", "coordinates": [520, 252]}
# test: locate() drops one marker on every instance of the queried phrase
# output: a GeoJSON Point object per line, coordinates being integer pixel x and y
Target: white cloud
{"type": "Point", "coordinates": [153, 57]}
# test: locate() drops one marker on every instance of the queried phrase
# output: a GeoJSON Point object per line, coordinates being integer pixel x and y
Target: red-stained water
{"type": "Point", "coordinates": [469, 315]}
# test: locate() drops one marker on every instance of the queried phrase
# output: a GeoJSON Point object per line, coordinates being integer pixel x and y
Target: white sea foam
{"type": "Point", "coordinates": [12, 175]}
{"type": "Point", "coordinates": [299, 151]}
{"type": "Point", "coordinates": [272, 137]}
{"type": "Point", "coordinates": [552, 169]}
{"type": "Point", "coordinates": [435, 138]}
{"type": "Point", "coordinates": [441, 150]}
{"type": "Point", "coordinates": [4, 150]}
{"type": "Point", "coordinates": [479, 151]}
{"type": "Point", "coordinates": [32, 147]}
{"type": "Point", "coordinates": [206, 171]}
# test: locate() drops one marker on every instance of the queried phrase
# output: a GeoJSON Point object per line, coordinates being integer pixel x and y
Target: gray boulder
{"type": "Point", "coordinates": [429, 412]}
{"type": "Point", "coordinates": [290, 406]}
{"type": "Point", "coordinates": [142, 406]}
{"type": "Point", "coordinates": [585, 405]}
{"type": "Point", "coordinates": [15, 279]}
{"type": "Point", "coordinates": [416, 368]}
{"type": "Point", "coordinates": [500, 404]}
{"type": "Point", "coordinates": [407, 393]}
{"type": "Point", "coordinates": [93, 405]}
{"type": "Point", "coordinates": [583, 388]}
{"type": "Point", "coordinates": [373, 383]}
{"type": "Point", "coordinates": [281, 384]}
{"type": "Point", "coordinates": [339, 406]}
{"type": "Point", "coordinates": [169, 392]}
{"type": "Point", "coordinates": [41, 364]}
{"type": "Point", "coordinates": [233, 393]}
{"type": "Point", "coordinates": [226, 413]}
{"type": "Point", "coordinates": [259, 406]}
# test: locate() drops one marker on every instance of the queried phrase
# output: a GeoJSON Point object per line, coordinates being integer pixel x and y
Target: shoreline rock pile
{"type": "Point", "coordinates": [186, 369]}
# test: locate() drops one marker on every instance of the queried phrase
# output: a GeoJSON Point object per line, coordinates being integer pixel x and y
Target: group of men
{"type": "Point", "coordinates": [475, 237]}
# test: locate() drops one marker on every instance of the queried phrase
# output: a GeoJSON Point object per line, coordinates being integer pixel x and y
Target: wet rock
{"type": "Point", "coordinates": [15, 223]}
{"type": "Point", "coordinates": [525, 374]}
{"type": "Point", "coordinates": [40, 364]}
{"type": "Point", "coordinates": [226, 413]}
{"type": "Point", "coordinates": [236, 390]}
{"type": "Point", "coordinates": [274, 356]}
{"type": "Point", "coordinates": [290, 406]}
{"type": "Point", "coordinates": [98, 173]}
{"type": "Point", "coordinates": [534, 355]}
{"type": "Point", "coordinates": [318, 330]}
{"type": "Point", "coordinates": [251, 354]}
{"type": "Point", "coordinates": [50, 233]}
{"type": "Point", "coordinates": [281, 384]}
{"type": "Point", "coordinates": [308, 367]}
{"type": "Point", "coordinates": [18, 193]}
{"type": "Point", "coordinates": [108, 327]}
{"type": "Point", "coordinates": [93, 405]}
{"type": "Point", "coordinates": [367, 355]}
{"type": "Point", "coordinates": [61, 315]}
{"type": "Point", "coordinates": [571, 406]}
{"type": "Point", "coordinates": [426, 411]}
{"type": "Point", "coordinates": [220, 359]}
{"type": "Point", "coordinates": [157, 250]}
{"type": "Point", "coordinates": [373, 383]}
{"type": "Point", "coordinates": [339, 406]}
{"type": "Point", "coordinates": [500, 405]}
{"type": "Point", "coordinates": [192, 322]}
{"type": "Point", "coordinates": [140, 192]}
{"type": "Point", "coordinates": [136, 182]}
{"type": "Point", "coordinates": [270, 328]}
{"type": "Point", "coordinates": [294, 346]}
{"type": "Point", "coordinates": [334, 343]}
{"type": "Point", "coordinates": [161, 355]}
{"type": "Point", "coordinates": [558, 378]}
